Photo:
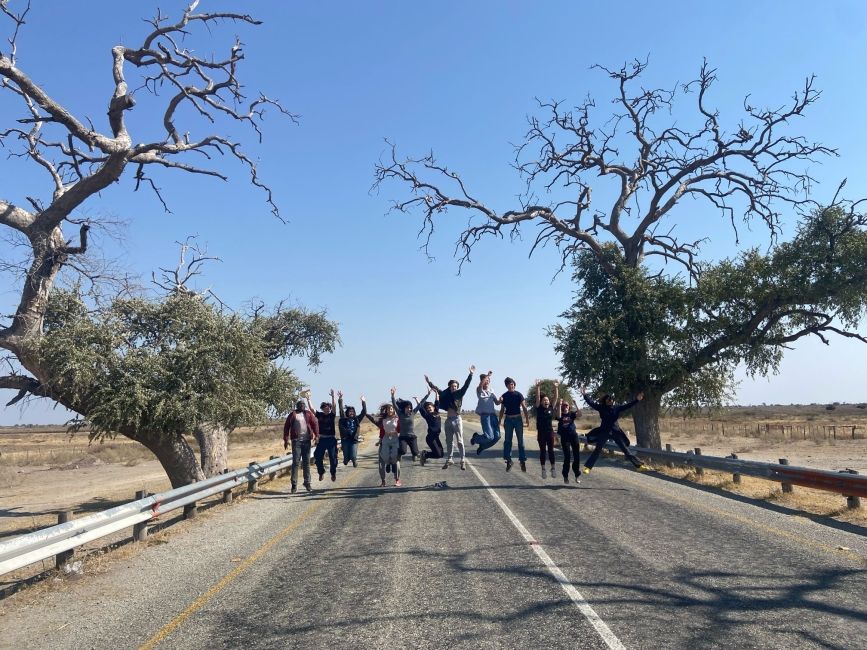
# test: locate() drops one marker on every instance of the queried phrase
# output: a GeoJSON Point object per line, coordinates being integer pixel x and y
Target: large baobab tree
{"type": "Point", "coordinates": [651, 315]}
{"type": "Point", "coordinates": [192, 99]}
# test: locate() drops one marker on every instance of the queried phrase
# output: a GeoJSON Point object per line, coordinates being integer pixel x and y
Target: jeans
{"type": "Point", "coordinates": [454, 427]}
{"type": "Point", "coordinates": [389, 455]}
{"type": "Point", "coordinates": [350, 450]}
{"type": "Point", "coordinates": [301, 456]}
{"type": "Point", "coordinates": [326, 444]}
{"type": "Point", "coordinates": [490, 431]}
{"type": "Point", "coordinates": [513, 424]}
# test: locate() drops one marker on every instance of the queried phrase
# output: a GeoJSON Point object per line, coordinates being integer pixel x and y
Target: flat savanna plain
{"type": "Point", "coordinates": [45, 470]}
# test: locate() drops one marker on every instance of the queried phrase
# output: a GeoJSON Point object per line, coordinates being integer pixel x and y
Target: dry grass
{"type": "Point", "coordinates": [814, 502]}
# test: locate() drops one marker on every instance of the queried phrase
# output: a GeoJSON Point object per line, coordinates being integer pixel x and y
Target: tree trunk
{"type": "Point", "coordinates": [176, 456]}
{"type": "Point", "coordinates": [214, 448]}
{"type": "Point", "coordinates": [645, 416]}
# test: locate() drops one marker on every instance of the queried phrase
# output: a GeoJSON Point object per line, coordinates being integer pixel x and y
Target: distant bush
{"type": "Point", "coordinates": [862, 406]}
{"type": "Point", "coordinates": [831, 407]}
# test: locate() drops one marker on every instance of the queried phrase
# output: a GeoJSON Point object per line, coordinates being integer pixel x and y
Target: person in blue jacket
{"type": "Point", "coordinates": [608, 429]}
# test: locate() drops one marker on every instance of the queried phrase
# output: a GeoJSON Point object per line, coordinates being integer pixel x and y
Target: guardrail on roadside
{"type": "Point", "coordinates": [848, 483]}
{"type": "Point", "coordinates": [58, 541]}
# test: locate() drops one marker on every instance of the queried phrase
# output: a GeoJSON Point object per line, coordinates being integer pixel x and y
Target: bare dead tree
{"type": "Point", "coordinates": [79, 160]}
{"type": "Point", "coordinates": [746, 170]}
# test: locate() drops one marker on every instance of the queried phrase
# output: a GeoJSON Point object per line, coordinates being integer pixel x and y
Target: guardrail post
{"type": "Point", "coordinates": [699, 471]}
{"type": "Point", "coordinates": [736, 477]}
{"type": "Point", "coordinates": [227, 494]}
{"type": "Point", "coordinates": [140, 530]}
{"type": "Point", "coordinates": [272, 475]}
{"type": "Point", "coordinates": [252, 484]}
{"type": "Point", "coordinates": [787, 487]}
{"type": "Point", "coordinates": [190, 511]}
{"type": "Point", "coordinates": [668, 464]}
{"type": "Point", "coordinates": [63, 558]}
{"type": "Point", "coordinates": [852, 502]}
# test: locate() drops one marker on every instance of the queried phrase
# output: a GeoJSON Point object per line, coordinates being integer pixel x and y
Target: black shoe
{"type": "Point", "coordinates": [355, 463]}
{"type": "Point", "coordinates": [509, 464]}
{"type": "Point", "coordinates": [321, 475]}
{"type": "Point", "coordinates": [423, 458]}
{"type": "Point", "coordinates": [479, 451]}
{"type": "Point", "coordinates": [294, 488]}
{"type": "Point", "coordinates": [566, 478]}
{"type": "Point", "coordinates": [523, 466]}
{"type": "Point", "coordinates": [474, 439]}
{"type": "Point", "coordinates": [309, 489]}
{"type": "Point", "coordinates": [333, 476]}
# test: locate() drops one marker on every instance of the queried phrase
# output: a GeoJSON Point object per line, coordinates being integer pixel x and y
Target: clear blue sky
{"type": "Point", "coordinates": [458, 78]}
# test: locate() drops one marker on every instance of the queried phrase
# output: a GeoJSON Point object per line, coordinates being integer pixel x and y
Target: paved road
{"type": "Point", "coordinates": [643, 562]}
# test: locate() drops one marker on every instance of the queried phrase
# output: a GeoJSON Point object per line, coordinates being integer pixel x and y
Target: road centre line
{"type": "Point", "coordinates": [584, 607]}
{"type": "Point", "coordinates": [202, 600]}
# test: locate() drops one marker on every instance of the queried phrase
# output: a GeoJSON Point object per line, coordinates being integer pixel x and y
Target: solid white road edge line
{"type": "Point", "coordinates": [583, 606]}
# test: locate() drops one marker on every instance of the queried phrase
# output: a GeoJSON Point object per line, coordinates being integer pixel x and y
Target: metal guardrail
{"type": "Point", "coordinates": [42, 544]}
{"type": "Point", "coordinates": [846, 483]}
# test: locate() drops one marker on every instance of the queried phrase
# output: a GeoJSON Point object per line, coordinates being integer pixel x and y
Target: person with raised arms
{"type": "Point", "coordinates": [350, 429]}
{"type": "Point", "coordinates": [327, 436]}
{"type": "Point", "coordinates": [389, 444]}
{"type": "Point", "coordinates": [406, 413]}
{"type": "Point", "coordinates": [608, 429]}
{"type": "Point", "coordinates": [545, 424]}
{"type": "Point", "coordinates": [487, 412]}
{"type": "Point", "coordinates": [569, 439]}
{"type": "Point", "coordinates": [512, 405]}
{"type": "Point", "coordinates": [450, 401]}
{"type": "Point", "coordinates": [430, 412]}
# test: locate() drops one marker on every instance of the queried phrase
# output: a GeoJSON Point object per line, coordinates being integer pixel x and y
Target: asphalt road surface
{"type": "Point", "coordinates": [479, 558]}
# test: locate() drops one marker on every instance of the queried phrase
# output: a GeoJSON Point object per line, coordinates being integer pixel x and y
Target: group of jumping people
{"type": "Point", "coordinates": [396, 421]}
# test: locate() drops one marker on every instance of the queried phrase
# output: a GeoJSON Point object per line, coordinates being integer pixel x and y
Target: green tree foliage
{"type": "Point", "coordinates": [637, 330]}
{"type": "Point", "coordinates": [168, 365]}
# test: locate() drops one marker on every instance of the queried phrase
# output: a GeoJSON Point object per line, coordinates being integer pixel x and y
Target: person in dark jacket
{"type": "Point", "coordinates": [327, 437]}
{"type": "Point", "coordinates": [430, 412]}
{"type": "Point", "coordinates": [406, 413]}
{"type": "Point", "coordinates": [450, 401]}
{"type": "Point", "coordinates": [545, 424]}
{"type": "Point", "coordinates": [349, 425]}
{"type": "Point", "coordinates": [569, 439]}
{"type": "Point", "coordinates": [608, 429]}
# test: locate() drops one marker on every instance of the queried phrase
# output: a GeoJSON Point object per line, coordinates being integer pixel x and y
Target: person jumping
{"type": "Point", "coordinates": [430, 412]}
{"type": "Point", "coordinates": [608, 429]}
{"type": "Point", "coordinates": [487, 412]}
{"type": "Point", "coordinates": [569, 440]}
{"type": "Point", "coordinates": [350, 429]}
{"type": "Point", "coordinates": [450, 401]}
{"type": "Point", "coordinates": [512, 405]}
{"type": "Point", "coordinates": [545, 424]}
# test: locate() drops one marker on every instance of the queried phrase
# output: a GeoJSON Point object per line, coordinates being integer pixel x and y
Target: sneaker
{"type": "Point", "coordinates": [473, 438]}
{"type": "Point", "coordinates": [523, 466]}
{"type": "Point", "coordinates": [552, 471]}
{"type": "Point", "coordinates": [382, 484]}
{"type": "Point", "coordinates": [397, 483]}
{"type": "Point", "coordinates": [333, 476]}
{"type": "Point", "coordinates": [566, 479]}
{"type": "Point", "coordinates": [479, 451]}
{"type": "Point", "coordinates": [642, 468]}
{"type": "Point", "coordinates": [294, 488]}
{"type": "Point", "coordinates": [586, 470]}
{"type": "Point", "coordinates": [509, 464]}
{"type": "Point", "coordinates": [415, 459]}
{"type": "Point", "coordinates": [447, 463]}
{"type": "Point", "coordinates": [545, 474]}
{"type": "Point", "coordinates": [355, 463]}
{"type": "Point", "coordinates": [321, 475]}
{"type": "Point", "coordinates": [422, 459]}
{"type": "Point", "coordinates": [577, 480]}
{"type": "Point", "coordinates": [463, 464]}
{"type": "Point", "coordinates": [309, 489]}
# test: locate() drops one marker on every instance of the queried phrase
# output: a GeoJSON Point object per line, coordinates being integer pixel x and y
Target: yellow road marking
{"type": "Point", "coordinates": [800, 539]}
{"type": "Point", "coordinates": [172, 625]}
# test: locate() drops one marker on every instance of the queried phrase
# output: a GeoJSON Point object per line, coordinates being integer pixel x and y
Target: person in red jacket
{"type": "Point", "coordinates": [302, 429]}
